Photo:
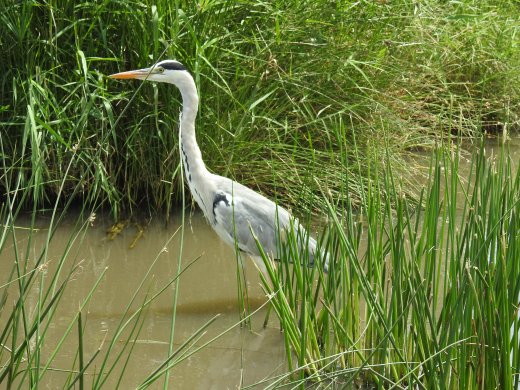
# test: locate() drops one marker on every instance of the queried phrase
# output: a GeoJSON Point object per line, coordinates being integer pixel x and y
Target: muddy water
{"type": "Point", "coordinates": [207, 288]}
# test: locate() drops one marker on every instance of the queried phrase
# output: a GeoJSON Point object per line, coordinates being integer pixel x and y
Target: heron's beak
{"type": "Point", "coordinates": [140, 74]}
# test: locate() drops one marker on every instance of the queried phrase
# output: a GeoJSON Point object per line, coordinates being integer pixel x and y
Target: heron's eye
{"type": "Point", "coordinates": [160, 70]}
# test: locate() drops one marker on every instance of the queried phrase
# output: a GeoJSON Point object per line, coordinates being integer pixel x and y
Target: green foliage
{"type": "Point", "coordinates": [286, 86]}
{"type": "Point", "coordinates": [415, 297]}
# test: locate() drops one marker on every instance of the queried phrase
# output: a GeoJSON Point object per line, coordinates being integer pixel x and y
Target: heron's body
{"type": "Point", "coordinates": [237, 213]}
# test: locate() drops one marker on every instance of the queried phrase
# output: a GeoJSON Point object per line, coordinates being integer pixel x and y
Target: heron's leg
{"type": "Point", "coordinates": [243, 296]}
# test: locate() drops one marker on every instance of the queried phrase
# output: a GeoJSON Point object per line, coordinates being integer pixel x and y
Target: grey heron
{"type": "Point", "coordinates": [237, 213]}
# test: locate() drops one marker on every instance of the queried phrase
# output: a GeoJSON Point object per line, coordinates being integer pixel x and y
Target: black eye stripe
{"type": "Point", "coordinates": [172, 65]}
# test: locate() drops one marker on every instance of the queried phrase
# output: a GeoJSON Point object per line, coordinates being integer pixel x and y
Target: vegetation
{"type": "Point", "coordinates": [286, 86]}
{"type": "Point", "coordinates": [415, 298]}
{"type": "Point", "coordinates": [313, 103]}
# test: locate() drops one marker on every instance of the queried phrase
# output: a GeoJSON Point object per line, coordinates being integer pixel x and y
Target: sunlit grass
{"type": "Point", "coordinates": [313, 104]}
{"type": "Point", "coordinates": [417, 296]}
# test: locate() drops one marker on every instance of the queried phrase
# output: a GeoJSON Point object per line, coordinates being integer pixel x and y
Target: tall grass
{"type": "Point", "coordinates": [277, 79]}
{"type": "Point", "coordinates": [307, 102]}
{"type": "Point", "coordinates": [416, 297]}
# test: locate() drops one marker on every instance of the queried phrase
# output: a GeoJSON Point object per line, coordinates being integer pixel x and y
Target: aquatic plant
{"type": "Point", "coordinates": [419, 295]}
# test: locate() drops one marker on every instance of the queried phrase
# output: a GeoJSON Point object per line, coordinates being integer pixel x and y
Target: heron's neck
{"type": "Point", "coordinates": [194, 168]}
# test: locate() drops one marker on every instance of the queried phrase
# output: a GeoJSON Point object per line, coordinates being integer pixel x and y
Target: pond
{"type": "Point", "coordinates": [143, 257]}
{"type": "Point", "coordinates": [208, 287]}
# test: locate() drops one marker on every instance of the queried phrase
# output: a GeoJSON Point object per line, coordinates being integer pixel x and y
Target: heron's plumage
{"type": "Point", "coordinates": [239, 215]}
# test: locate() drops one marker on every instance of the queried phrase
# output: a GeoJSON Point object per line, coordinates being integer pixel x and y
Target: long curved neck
{"type": "Point", "coordinates": [194, 168]}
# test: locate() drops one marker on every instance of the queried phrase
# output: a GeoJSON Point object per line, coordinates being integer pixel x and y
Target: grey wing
{"type": "Point", "coordinates": [247, 213]}
{"type": "Point", "coordinates": [240, 216]}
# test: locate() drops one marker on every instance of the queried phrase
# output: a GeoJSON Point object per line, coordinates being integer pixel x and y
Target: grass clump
{"type": "Point", "coordinates": [416, 297]}
{"type": "Point", "coordinates": [286, 87]}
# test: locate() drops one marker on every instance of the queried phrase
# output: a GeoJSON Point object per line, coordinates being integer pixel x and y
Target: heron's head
{"type": "Point", "coordinates": [168, 71]}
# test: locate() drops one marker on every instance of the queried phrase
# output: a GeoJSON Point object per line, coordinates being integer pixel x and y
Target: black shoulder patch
{"type": "Point", "coordinates": [219, 198]}
{"type": "Point", "coordinates": [171, 65]}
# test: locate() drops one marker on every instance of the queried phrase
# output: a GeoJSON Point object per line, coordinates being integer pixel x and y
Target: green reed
{"type": "Point", "coordinates": [419, 295]}
{"type": "Point", "coordinates": [277, 81]}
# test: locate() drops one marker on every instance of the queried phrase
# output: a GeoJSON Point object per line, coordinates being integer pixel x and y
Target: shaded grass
{"type": "Point", "coordinates": [415, 297]}
{"type": "Point", "coordinates": [279, 81]}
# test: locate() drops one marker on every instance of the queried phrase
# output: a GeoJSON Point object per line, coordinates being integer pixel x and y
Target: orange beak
{"type": "Point", "coordinates": [124, 75]}
{"type": "Point", "coordinates": [140, 74]}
